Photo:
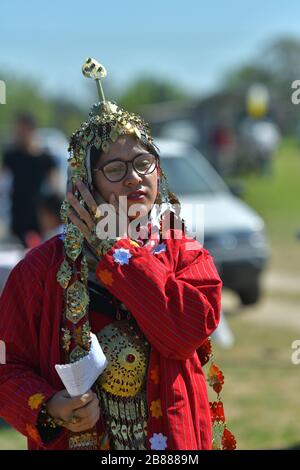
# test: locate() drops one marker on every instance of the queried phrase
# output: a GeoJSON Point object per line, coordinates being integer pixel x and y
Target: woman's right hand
{"type": "Point", "coordinates": [84, 408]}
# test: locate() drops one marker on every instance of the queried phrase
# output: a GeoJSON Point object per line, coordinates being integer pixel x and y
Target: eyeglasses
{"type": "Point", "coordinates": [116, 170]}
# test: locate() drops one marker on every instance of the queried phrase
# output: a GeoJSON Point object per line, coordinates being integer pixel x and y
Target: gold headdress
{"type": "Point", "coordinates": [106, 123]}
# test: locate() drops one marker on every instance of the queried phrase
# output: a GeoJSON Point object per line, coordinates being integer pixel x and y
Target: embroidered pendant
{"type": "Point", "coordinates": [97, 142]}
{"type": "Point", "coordinates": [64, 274]}
{"type": "Point", "coordinates": [84, 272]}
{"type": "Point", "coordinates": [77, 301]}
{"type": "Point", "coordinates": [83, 335]}
{"type": "Point", "coordinates": [77, 354]}
{"type": "Point", "coordinates": [83, 441]}
{"type": "Point", "coordinates": [73, 241]}
{"type": "Point", "coordinates": [64, 211]}
{"type": "Point", "coordinates": [66, 339]}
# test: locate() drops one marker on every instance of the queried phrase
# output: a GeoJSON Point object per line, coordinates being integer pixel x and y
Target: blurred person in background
{"type": "Point", "coordinates": [260, 138]}
{"type": "Point", "coordinates": [259, 135]}
{"type": "Point", "coordinates": [32, 171]}
{"type": "Point", "coordinates": [49, 223]}
{"type": "Point", "coordinates": [49, 216]}
{"type": "Point", "coordinates": [222, 143]}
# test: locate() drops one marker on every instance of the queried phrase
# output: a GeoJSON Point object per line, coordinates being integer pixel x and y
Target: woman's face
{"type": "Point", "coordinates": [126, 148]}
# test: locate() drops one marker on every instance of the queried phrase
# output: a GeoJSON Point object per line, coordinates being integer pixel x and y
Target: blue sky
{"type": "Point", "coordinates": [190, 42]}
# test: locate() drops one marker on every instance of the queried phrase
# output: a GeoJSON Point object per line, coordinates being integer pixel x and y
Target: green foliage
{"type": "Point", "coordinates": [26, 96]}
{"type": "Point", "coordinates": [148, 91]}
{"type": "Point", "coordinates": [277, 66]}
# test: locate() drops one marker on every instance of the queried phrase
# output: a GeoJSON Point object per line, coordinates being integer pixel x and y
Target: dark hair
{"type": "Point", "coordinates": [51, 203]}
{"type": "Point", "coordinates": [26, 119]}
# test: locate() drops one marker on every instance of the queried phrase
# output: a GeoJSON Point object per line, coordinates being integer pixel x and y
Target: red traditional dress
{"type": "Point", "coordinates": [174, 294]}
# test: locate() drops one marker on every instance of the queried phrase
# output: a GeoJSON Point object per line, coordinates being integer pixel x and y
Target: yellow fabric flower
{"type": "Point", "coordinates": [133, 243]}
{"type": "Point", "coordinates": [32, 432]}
{"type": "Point", "coordinates": [105, 276]}
{"type": "Point", "coordinates": [155, 375]}
{"type": "Point", "coordinates": [35, 400]}
{"type": "Point", "coordinates": [156, 408]}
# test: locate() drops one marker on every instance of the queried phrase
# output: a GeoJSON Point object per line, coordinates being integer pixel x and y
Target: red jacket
{"type": "Point", "coordinates": [175, 297]}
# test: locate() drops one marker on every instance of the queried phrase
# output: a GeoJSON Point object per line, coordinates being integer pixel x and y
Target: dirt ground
{"type": "Point", "coordinates": [279, 306]}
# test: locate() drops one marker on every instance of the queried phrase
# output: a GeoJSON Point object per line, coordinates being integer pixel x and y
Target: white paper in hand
{"type": "Point", "coordinates": [79, 376]}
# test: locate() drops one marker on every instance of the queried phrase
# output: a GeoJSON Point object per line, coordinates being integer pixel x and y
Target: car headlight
{"type": "Point", "coordinates": [257, 239]}
{"type": "Point", "coordinates": [228, 241]}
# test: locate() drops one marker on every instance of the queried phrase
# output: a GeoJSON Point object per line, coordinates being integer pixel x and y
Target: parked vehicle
{"type": "Point", "coordinates": [233, 232]}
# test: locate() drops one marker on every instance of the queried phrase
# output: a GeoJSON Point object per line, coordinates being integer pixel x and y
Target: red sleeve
{"type": "Point", "coordinates": [175, 296]}
{"type": "Point", "coordinates": [22, 390]}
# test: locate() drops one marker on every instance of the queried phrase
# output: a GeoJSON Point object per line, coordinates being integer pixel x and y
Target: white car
{"type": "Point", "coordinates": [233, 232]}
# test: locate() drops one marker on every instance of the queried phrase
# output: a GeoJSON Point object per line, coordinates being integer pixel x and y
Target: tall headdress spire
{"type": "Point", "coordinates": [93, 69]}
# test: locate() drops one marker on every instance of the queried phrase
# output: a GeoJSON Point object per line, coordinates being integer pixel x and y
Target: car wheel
{"type": "Point", "coordinates": [250, 294]}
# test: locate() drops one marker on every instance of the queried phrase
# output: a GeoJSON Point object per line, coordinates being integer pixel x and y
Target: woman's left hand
{"type": "Point", "coordinates": [86, 220]}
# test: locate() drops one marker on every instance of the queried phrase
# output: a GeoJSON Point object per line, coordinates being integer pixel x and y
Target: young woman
{"type": "Point", "coordinates": [151, 295]}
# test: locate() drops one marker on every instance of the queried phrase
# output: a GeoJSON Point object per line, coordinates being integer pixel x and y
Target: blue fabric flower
{"type": "Point", "coordinates": [122, 256]}
{"type": "Point", "coordinates": [159, 249]}
{"type": "Point", "coordinates": [158, 441]}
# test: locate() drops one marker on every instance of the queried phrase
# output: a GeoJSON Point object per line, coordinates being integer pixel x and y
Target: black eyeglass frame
{"type": "Point", "coordinates": [101, 168]}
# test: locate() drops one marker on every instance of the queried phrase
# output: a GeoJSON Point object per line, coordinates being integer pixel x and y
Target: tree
{"type": "Point", "coordinates": [22, 95]}
{"type": "Point", "coordinates": [277, 66]}
{"type": "Point", "coordinates": [148, 91]}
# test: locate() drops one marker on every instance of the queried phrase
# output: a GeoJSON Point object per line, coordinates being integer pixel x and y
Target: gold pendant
{"type": "Point", "coordinates": [77, 302]}
{"type": "Point", "coordinates": [127, 356]}
{"type": "Point", "coordinates": [73, 241]}
{"type": "Point", "coordinates": [64, 274]}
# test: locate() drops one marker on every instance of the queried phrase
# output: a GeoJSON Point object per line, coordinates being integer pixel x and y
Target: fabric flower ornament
{"type": "Point", "coordinates": [161, 248]}
{"type": "Point", "coordinates": [156, 409]}
{"type": "Point", "coordinates": [105, 276]}
{"type": "Point", "coordinates": [158, 442]}
{"type": "Point", "coordinates": [35, 400]}
{"type": "Point", "coordinates": [135, 244]}
{"type": "Point", "coordinates": [215, 378]}
{"type": "Point", "coordinates": [122, 256]}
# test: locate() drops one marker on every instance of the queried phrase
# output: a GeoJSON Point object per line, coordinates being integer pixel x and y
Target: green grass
{"type": "Point", "coordinates": [261, 390]}
{"type": "Point", "coordinates": [11, 439]}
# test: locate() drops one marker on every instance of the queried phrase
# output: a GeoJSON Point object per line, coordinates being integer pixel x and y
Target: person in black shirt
{"type": "Point", "coordinates": [32, 170]}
